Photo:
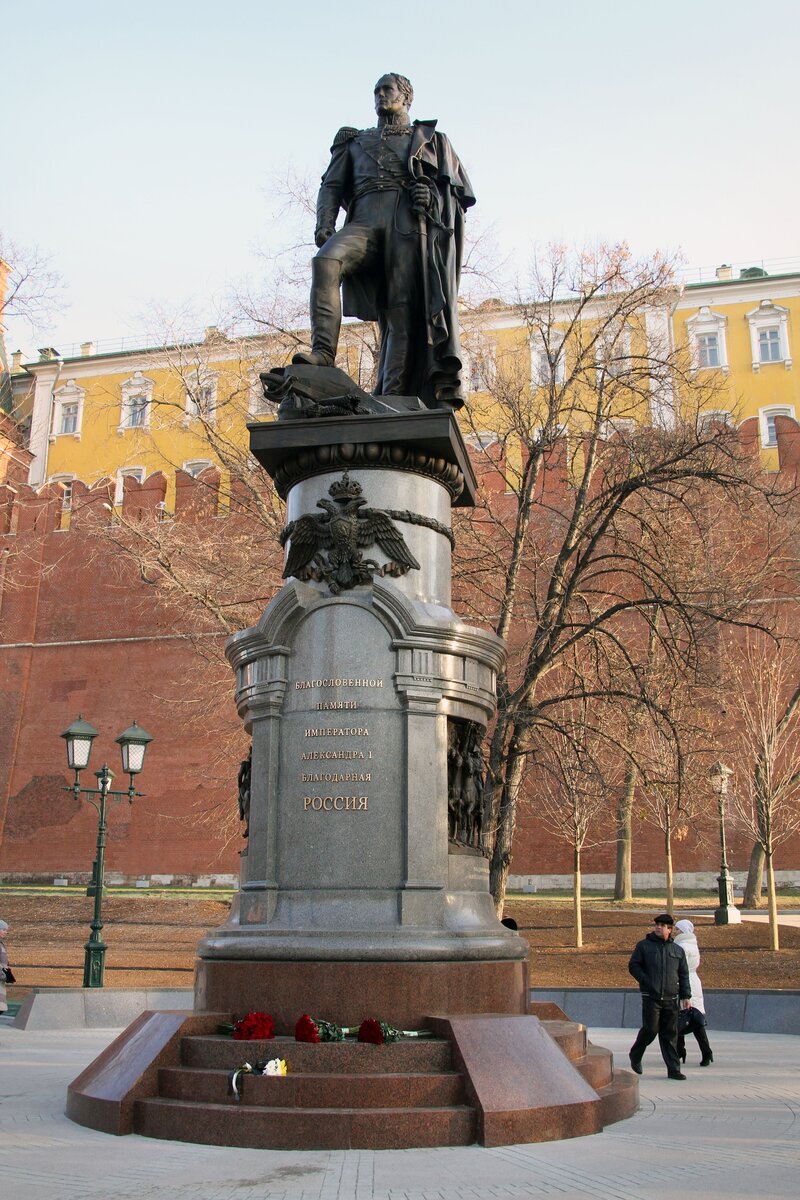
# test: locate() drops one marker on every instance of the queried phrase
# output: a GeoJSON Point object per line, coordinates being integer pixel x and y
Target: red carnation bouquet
{"type": "Point", "coordinates": [379, 1033]}
{"type": "Point", "coordinates": [310, 1029]}
{"type": "Point", "coordinates": [256, 1026]}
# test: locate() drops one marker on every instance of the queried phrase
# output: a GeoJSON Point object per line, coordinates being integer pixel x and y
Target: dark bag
{"type": "Point", "coordinates": [689, 1019]}
{"type": "Point", "coordinates": [9, 974]}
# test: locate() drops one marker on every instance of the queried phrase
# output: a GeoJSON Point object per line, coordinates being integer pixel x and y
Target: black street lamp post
{"type": "Point", "coordinates": [133, 744]}
{"type": "Point", "coordinates": [727, 913]}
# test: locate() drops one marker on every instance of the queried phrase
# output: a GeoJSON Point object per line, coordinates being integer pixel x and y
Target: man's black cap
{"type": "Point", "coordinates": [664, 919]}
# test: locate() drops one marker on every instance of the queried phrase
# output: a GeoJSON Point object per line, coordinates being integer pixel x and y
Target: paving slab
{"type": "Point", "coordinates": [729, 1130]}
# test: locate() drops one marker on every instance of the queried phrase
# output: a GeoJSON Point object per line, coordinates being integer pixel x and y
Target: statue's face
{"type": "Point", "coordinates": [389, 100]}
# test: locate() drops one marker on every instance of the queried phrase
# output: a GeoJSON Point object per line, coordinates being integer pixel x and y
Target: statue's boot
{"type": "Point", "coordinates": [326, 313]}
{"type": "Point", "coordinates": [396, 368]}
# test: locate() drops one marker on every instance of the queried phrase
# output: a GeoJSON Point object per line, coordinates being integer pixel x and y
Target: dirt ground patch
{"type": "Point", "coordinates": [152, 940]}
{"type": "Point", "coordinates": [732, 956]}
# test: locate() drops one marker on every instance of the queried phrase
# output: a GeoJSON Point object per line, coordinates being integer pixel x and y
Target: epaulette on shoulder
{"type": "Point", "coordinates": [345, 134]}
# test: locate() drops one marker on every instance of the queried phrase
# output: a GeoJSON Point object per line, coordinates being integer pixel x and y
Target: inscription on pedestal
{"type": "Point", "coordinates": [334, 803]}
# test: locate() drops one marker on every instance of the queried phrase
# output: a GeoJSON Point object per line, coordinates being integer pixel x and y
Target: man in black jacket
{"type": "Point", "coordinates": [659, 967]}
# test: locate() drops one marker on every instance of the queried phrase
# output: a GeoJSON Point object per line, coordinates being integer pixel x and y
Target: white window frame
{"type": "Point", "coordinates": [769, 316]}
{"type": "Point", "coordinates": [772, 410]}
{"type": "Point", "coordinates": [540, 361]}
{"type": "Point", "coordinates": [138, 385]}
{"type": "Point", "coordinates": [69, 394]}
{"type": "Point", "coordinates": [196, 466]}
{"type": "Point", "coordinates": [203, 383]}
{"type": "Point", "coordinates": [123, 473]}
{"type": "Point", "coordinates": [702, 324]}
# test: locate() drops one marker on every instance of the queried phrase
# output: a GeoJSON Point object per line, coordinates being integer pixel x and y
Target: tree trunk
{"type": "Point", "coordinates": [668, 867]}
{"type": "Point", "coordinates": [576, 890]}
{"type": "Point", "coordinates": [772, 900]}
{"type": "Point", "coordinates": [500, 861]}
{"type": "Point", "coordinates": [753, 892]}
{"type": "Point", "coordinates": [623, 880]}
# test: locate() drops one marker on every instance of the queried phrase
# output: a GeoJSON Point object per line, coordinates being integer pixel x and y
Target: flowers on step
{"type": "Point", "coordinates": [310, 1029]}
{"type": "Point", "coordinates": [272, 1066]}
{"type": "Point", "coordinates": [275, 1066]}
{"type": "Point", "coordinates": [379, 1033]}
{"type": "Point", "coordinates": [256, 1026]}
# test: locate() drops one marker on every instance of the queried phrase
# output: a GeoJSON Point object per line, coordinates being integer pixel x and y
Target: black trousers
{"type": "Point", "coordinates": [659, 1019]}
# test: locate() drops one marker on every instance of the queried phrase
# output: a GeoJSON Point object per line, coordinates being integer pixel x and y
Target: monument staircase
{"type": "Point", "coordinates": [354, 1095]}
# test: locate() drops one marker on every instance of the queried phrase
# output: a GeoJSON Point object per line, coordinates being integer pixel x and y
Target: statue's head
{"type": "Point", "coordinates": [393, 94]}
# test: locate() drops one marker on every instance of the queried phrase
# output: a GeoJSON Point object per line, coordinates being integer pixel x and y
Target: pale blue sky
{"type": "Point", "coordinates": [140, 140]}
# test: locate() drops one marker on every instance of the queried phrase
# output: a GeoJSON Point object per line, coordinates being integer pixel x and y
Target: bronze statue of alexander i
{"type": "Point", "coordinates": [397, 257]}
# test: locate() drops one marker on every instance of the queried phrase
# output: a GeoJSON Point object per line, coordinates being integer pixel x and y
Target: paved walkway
{"type": "Point", "coordinates": [790, 917]}
{"type": "Point", "coordinates": [730, 1130]}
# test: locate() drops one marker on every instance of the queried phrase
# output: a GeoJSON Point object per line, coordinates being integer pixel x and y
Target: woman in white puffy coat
{"type": "Point", "coordinates": [685, 938]}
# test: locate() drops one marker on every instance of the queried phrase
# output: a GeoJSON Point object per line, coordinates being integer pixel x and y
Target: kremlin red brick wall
{"type": "Point", "coordinates": [80, 633]}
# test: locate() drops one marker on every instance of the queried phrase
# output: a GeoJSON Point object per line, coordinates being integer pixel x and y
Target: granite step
{"type": "Point", "coordinates": [596, 1066]}
{"type": "Point", "coordinates": [286, 1128]}
{"type": "Point", "coordinates": [217, 1052]}
{"type": "Point", "coordinates": [315, 1089]}
{"type": "Point", "coordinates": [619, 1098]}
{"type": "Point", "coordinates": [570, 1036]}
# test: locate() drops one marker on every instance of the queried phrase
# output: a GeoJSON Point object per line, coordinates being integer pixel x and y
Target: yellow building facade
{"type": "Point", "coordinates": [109, 413]}
{"type": "Point", "coordinates": [112, 414]}
{"type": "Point", "coordinates": [744, 330]}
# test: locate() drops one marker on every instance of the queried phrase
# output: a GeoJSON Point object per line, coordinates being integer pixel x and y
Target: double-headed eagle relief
{"type": "Point", "coordinates": [328, 547]}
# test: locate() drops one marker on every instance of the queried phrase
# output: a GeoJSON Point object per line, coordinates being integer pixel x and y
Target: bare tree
{"type": "Point", "coordinates": [672, 775]}
{"type": "Point", "coordinates": [572, 792]}
{"type": "Point", "coordinates": [607, 466]}
{"type": "Point", "coordinates": [33, 289]}
{"type": "Point", "coordinates": [765, 706]}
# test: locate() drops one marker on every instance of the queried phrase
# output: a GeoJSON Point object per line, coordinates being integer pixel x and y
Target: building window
{"type": "Point", "coordinates": [480, 368]}
{"type": "Point", "coordinates": [624, 427]}
{"type": "Point", "coordinates": [201, 398]}
{"type": "Point", "coordinates": [66, 482]}
{"type": "Point", "coordinates": [547, 363]}
{"type": "Point", "coordinates": [135, 412]}
{"type": "Point", "coordinates": [137, 395]}
{"type": "Point", "coordinates": [708, 350]}
{"type": "Point", "coordinates": [769, 345]}
{"type": "Point", "coordinates": [69, 418]}
{"type": "Point", "coordinates": [196, 467]}
{"type": "Point", "coordinates": [706, 331]}
{"type": "Point", "coordinates": [124, 473]}
{"type": "Point", "coordinates": [68, 411]}
{"type": "Point", "coordinates": [482, 440]}
{"type": "Point", "coordinates": [613, 354]}
{"type": "Point", "coordinates": [766, 420]}
{"type": "Point", "coordinates": [719, 416]}
{"type": "Point", "coordinates": [769, 335]}
{"type": "Point", "coordinates": [257, 403]}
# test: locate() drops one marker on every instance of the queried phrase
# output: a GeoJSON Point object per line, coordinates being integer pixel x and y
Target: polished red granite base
{"type": "Point", "coordinates": [521, 1082]}
{"type": "Point", "coordinates": [103, 1095]}
{"type": "Point", "coordinates": [492, 1073]}
{"type": "Point", "coordinates": [493, 1079]}
{"type": "Point", "coordinates": [402, 993]}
